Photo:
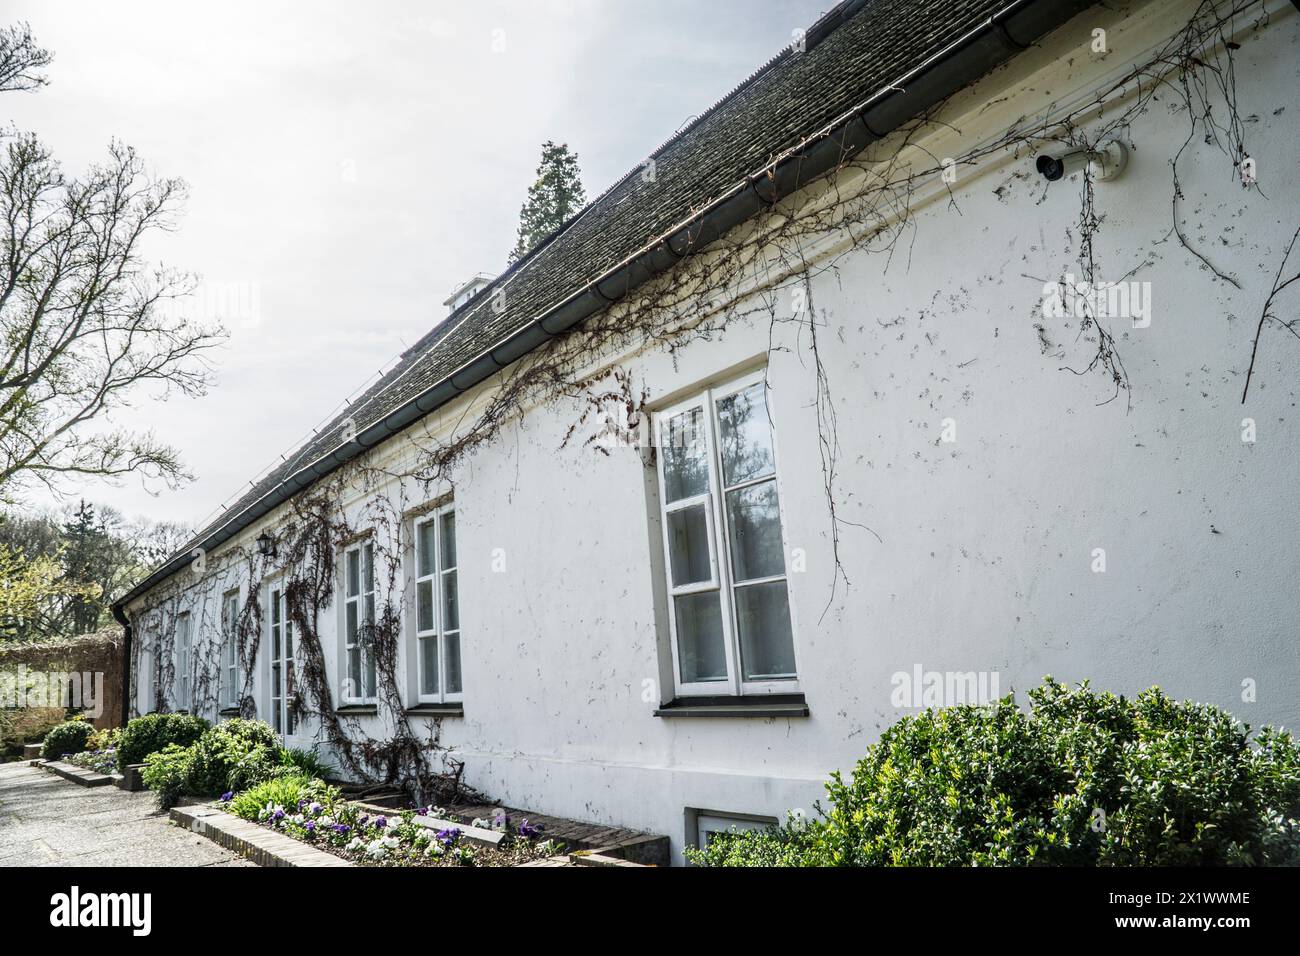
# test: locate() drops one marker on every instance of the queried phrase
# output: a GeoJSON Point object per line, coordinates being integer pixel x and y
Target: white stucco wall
{"type": "Point", "coordinates": [986, 546]}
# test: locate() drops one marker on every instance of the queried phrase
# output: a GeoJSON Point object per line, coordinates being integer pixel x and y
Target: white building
{"type": "Point", "coordinates": [862, 353]}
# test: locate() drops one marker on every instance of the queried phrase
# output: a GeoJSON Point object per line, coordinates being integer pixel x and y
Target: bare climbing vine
{"type": "Point", "coordinates": [761, 271]}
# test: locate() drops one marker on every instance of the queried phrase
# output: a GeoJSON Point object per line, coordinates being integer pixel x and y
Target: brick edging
{"type": "Point", "coordinates": [264, 847]}
{"type": "Point", "coordinates": [78, 775]}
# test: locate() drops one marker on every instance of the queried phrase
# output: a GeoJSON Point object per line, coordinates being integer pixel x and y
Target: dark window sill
{"type": "Point", "coordinates": [228, 712]}
{"type": "Point", "coordinates": [456, 709]}
{"type": "Point", "coordinates": [761, 705]}
{"type": "Point", "coordinates": [358, 710]}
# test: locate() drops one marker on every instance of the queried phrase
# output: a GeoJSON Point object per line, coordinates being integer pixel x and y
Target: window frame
{"type": "Point", "coordinates": [439, 632]}
{"type": "Point", "coordinates": [723, 578]}
{"type": "Point", "coordinates": [353, 687]}
{"type": "Point", "coordinates": [184, 661]}
{"type": "Point", "coordinates": [281, 654]}
{"type": "Point", "coordinates": [230, 682]}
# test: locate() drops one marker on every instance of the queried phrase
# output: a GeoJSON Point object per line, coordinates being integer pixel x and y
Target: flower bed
{"type": "Point", "coordinates": [100, 761]}
{"type": "Point", "coordinates": [315, 813]}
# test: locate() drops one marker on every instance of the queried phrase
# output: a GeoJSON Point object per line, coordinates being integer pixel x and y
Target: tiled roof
{"type": "Point", "coordinates": [851, 53]}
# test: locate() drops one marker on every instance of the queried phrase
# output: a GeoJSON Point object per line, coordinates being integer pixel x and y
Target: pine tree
{"type": "Point", "coordinates": [555, 196]}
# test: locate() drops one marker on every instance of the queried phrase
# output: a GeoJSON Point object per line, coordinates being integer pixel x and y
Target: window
{"type": "Point", "coordinates": [283, 716]}
{"type": "Point", "coordinates": [230, 683]}
{"type": "Point", "coordinates": [437, 608]}
{"type": "Point", "coordinates": [707, 824]}
{"type": "Point", "coordinates": [183, 649]}
{"type": "Point", "coordinates": [359, 622]}
{"type": "Point", "coordinates": [723, 543]}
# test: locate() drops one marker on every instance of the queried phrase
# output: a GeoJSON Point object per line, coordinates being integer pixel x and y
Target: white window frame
{"type": "Point", "coordinates": [184, 657]}
{"type": "Point", "coordinates": [230, 682]}
{"type": "Point", "coordinates": [280, 658]}
{"type": "Point", "coordinates": [354, 685]}
{"type": "Point", "coordinates": [722, 577]}
{"type": "Point", "coordinates": [439, 632]}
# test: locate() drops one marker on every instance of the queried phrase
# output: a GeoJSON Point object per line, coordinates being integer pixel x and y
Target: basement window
{"type": "Point", "coordinates": [359, 623]}
{"type": "Point", "coordinates": [437, 608]}
{"type": "Point", "coordinates": [724, 546]}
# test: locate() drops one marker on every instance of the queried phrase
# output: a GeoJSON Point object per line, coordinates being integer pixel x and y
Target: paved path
{"type": "Point", "coordinates": [48, 821]}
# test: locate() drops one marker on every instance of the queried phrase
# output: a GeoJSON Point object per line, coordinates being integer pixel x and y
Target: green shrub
{"type": "Point", "coordinates": [152, 732]}
{"type": "Point", "coordinates": [166, 772]}
{"type": "Point", "coordinates": [282, 791]}
{"type": "Point", "coordinates": [1083, 778]}
{"type": "Point", "coordinates": [233, 756]}
{"type": "Point", "coordinates": [306, 762]}
{"type": "Point", "coordinates": [229, 757]}
{"type": "Point", "coordinates": [68, 737]}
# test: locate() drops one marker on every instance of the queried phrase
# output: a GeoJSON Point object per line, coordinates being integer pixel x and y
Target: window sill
{"type": "Point", "coordinates": [450, 709]}
{"type": "Point", "coordinates": [228, 712]}
{"type": "Point", "coordinates": [358, 710]}
{"type": "Point", "coordinates": [758, 705]}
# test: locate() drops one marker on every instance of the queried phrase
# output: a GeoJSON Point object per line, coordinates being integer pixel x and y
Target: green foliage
{"type": "Point", "coordinates": [67, 738]}
{"type": "Point", "coordinates": [233, 756]}
{"type": "Point", "coordinates": [553, 198]}
{"type": "Point", "coordinates": [230, 757]}
{"type": "Point", "coordinates": [166, 772]}
{"type": "Point", "coordinates": [283, 791]}
{"type": "Point", "coordinates": [306, 762]}
{"type": "Point", "coordinates": [1082, 778]}
{"type": "Point", "coordinates": [152, 732]}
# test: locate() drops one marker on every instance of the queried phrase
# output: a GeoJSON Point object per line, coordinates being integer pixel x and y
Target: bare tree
{"type": "Point", "coordinates": [21, 60]}
{"type": "Point", "coordinates": [85, 322]}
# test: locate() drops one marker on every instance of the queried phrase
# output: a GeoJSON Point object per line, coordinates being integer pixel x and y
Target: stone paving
{"type": "Point", "coordinates": [48, 821]}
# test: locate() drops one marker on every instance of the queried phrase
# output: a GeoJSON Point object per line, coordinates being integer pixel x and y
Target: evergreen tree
{"type": "Point", "coordinates": [552, 199]}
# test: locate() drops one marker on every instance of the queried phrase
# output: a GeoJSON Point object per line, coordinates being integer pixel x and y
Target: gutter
{"type": "Point", "coordinates": [122, 619]}
{"type": "Point", "coordinates": [1012, 29]}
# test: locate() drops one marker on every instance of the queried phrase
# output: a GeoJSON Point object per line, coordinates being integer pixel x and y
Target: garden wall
{"type": "Point", "coordinates": [38, 682]}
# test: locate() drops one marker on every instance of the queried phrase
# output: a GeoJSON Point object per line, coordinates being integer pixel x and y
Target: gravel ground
{"type": "Point", "coordinates": [48, 821]}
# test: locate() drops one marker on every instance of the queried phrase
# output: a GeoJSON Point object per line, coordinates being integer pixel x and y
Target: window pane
{"type": "Point", "coordinates": [275, 642]}
{"type": "Point", "coordinates": [699, 637]}
{"type": "Point", "coordinates": [370, 675]}
{"type": "Point", "coordinates": [688, 545]}
{"type": "Point", "coordinates": [449, 540]}
{"type": "Point", "coordinates": [424, 543]}
{"type": "Point", "coordinates": [766, 645]}
{"type": "Point", "coordinates": [453, 663]}
{"type": "Point", "coordinates": [369, 618]}
{"type": "Point", "coordinates": [276, 692]}
{"type": "Point", "coordinates": [450, 603]}
{"type": "Point", "coordinates": [368, 568]}
{"type": "Point", "coordinates": [424, 605]}
{"type": "Point", "coordinates": [353, 561]}
{"type": "Point", "coordinates": [686, 469]}
{"type": "Point", "coordinates": [745, 435]}
{"type": "Point", "coordinates": [754, 525]}
{"type": "Point", "coordinates": [429, 665]}
{"type": "Point", "coordinates": [351, 631]}
{"type": "Point", "coordinates": [354, 673]}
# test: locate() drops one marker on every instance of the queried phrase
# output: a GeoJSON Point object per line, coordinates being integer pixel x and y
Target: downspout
{"type": "Point", "coordinates": [998, 38]}
{"type": "Point", "coordinates": [120, 615]}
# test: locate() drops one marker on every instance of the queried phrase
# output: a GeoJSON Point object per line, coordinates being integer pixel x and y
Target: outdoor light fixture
{"type": "Point", "coordinates": [266, 545]}
{"type": "Point", "coordinates": [1104, 163]}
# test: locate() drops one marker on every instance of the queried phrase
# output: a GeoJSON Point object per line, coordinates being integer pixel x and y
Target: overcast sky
{"type": "Point", "coordinates": [350, 163]}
